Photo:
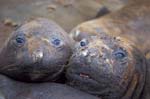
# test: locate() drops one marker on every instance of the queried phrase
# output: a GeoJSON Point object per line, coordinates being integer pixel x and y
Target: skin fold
{"type": "Point", "coordinates": [36, 51]}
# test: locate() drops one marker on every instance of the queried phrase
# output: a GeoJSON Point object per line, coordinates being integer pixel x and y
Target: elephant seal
{"type": "Point", "coordinates": [112, 65]}
{"type": "Point", "coordinates": [37, 51]}
{"type": "Point", "coordinates": [10, 89]}
{"type": "Point", "coordinates": [107, 67]}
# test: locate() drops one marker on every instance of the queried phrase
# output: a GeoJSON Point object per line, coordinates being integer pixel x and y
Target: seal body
{"type": "Point", "coordinates": [37, 51]}
{"type": "Point", "coordinates": [10, 89]}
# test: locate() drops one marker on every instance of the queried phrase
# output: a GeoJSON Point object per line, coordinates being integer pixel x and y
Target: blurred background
{"type": "Point", "coordinates": [66, 13]}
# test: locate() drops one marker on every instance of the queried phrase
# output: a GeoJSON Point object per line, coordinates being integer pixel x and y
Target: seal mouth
{"type": "Point", "coordinates": [80, 74]}
{"type": "Point", "coordinates": [81, 78]}
{"type": "Point", "coordinates": [32, 74]}
{"type": "Point", "coordinates": [79, 69]}
{"type": "Point", "coordinates": [84, 75]}
{"type": "Point", "coordinates": [84, 81]}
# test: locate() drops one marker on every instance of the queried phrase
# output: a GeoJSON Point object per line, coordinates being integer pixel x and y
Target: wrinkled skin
{"type": "Point", "coordinates": [107, 67]}
{"type": "Point", "coordinates": [131, 23]}
{"type": "Point", "coordinates": [37, 51]}
{"type": "Point", "coordinates": [10, 89]}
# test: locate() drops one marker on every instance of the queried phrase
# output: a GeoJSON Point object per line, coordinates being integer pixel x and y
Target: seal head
{"type": "Point", "coordinates": [108, 67]}
{"type": "Point", "coordinates": [36, 51]}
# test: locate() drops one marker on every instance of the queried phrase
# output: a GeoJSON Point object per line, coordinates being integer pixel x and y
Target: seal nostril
{"type": "Point", "coordinates": [85, 53]}
{"type": "Point", "coordinates": [101, 55]}
{"type": "Point", "coordinates": [93, 52]}
{"type": "Point", "coordinates": [37, 55]}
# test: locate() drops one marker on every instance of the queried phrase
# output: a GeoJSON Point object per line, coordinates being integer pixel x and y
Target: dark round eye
{"type": "Point", "coordinates": [56, 42]}
{"type": "Point", "coordinates": [83, 43]}
{"type": "Point", "coordinates": [120, 54]}
{"type": "Point", "coordinates": [20, 40]}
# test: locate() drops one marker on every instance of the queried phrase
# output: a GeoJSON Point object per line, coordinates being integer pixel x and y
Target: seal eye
{"type": "Point", "coordinates": [56, 42]}
{"type": "Point", "coordinates": [20, 40]}
{"type": "Point", "coordinates": [83, 42]}
{"type": "Point", "coordinates": [119, 54]}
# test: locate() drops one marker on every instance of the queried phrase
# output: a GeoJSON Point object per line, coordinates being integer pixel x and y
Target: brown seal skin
{"type": "Point", "coordinates": [36, 51]}
{"type": "Point", "coordinates": [130, 23]}
{"type": "Point", "coordinates": [10, 89]}
{"type": "Point", "coordinates": [107, 67]}
{"type": "Point", "coordinates": [5, 31]}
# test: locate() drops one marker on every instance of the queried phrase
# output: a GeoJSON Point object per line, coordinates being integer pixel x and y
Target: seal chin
{"type": "Point", "coordinates": [36, 76]}
{"type": "Point", "coordinates": [80, 74]}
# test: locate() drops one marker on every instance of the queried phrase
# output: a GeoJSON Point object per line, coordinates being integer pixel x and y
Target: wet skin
{"type": "Point", "coordinates": [10, 89]}
{"type": "Point", "coordinates": [37, 51]}
{"type": "Point", "coordinates": [107, 67]}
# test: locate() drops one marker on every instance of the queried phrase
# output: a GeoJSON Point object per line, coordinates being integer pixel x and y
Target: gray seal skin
{"type": "Point", "coordinates": [107, 67]}
{"type": "Point", "coordinates": [131, 24]}
{"type": "Point", "coordinates": [10, 89]}
{"type": "Point", "coordinates": [37, 51]}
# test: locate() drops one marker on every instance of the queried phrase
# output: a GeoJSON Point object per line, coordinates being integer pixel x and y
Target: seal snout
{"type": "Point", "coordinates": [37, 55]}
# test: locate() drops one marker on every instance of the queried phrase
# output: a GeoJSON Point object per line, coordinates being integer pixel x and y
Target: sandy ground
{"type": "Point", "coordinates": [67, 13]}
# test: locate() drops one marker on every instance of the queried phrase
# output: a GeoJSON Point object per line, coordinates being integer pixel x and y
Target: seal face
{"type": "Point", "coordinates": [107, 67]}
{"type": "Point", "coordinates": [36, 51]}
